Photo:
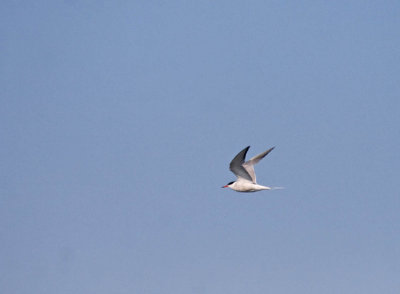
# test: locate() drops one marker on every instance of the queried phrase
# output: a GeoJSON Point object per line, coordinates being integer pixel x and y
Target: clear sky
{"type": "Point", "coordinates": [118, 121]}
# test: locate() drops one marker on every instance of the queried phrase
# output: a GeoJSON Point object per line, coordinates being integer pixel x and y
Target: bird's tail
{"type": "Point", "coordinates": [277, 188]}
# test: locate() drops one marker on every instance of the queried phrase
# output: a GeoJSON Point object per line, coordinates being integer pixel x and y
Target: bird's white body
{"type": "Point", "coordinates": [247, 186]}
{"type": "Point", "coordinates": [244, 171]}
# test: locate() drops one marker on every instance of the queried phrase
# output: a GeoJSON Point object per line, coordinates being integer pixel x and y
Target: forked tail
{"type": "Point", "coordinates": [277, 188]}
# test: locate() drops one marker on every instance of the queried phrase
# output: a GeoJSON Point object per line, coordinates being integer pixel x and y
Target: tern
{"type": "Point", "coordinates": [244, 171]}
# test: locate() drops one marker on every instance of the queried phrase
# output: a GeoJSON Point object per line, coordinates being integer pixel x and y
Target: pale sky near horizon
{"type": "Point", "coordinates": [119, 120]}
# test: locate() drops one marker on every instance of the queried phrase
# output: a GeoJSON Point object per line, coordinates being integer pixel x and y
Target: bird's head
{"type": "Point", "coordinates": [228, 185]}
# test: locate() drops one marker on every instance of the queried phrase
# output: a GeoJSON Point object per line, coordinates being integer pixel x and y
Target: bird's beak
{"type": "Point", "coordinates": [224, 186]}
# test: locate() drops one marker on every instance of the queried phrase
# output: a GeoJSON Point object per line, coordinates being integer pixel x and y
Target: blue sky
{"type": "Point", "coordinates": [119, 120]}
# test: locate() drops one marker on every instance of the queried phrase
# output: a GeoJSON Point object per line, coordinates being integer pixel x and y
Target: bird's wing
{"type": "Point", "coordinates": [236, 165]}
{"type": "Point", "coordinates": [249, 165]}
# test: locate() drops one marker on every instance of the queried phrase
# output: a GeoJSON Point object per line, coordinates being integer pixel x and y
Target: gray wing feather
{"type": "Point", "coordinates": [236, 165]}
{"type": "Point", "coordinates": [249, 165]}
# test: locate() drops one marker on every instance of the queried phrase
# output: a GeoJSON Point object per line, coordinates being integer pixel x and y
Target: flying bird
{"type": "Point", "coordinates": [244, 171]}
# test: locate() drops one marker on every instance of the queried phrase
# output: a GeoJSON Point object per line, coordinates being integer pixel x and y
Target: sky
{"type": "Point", "coordinates": [118, 121]}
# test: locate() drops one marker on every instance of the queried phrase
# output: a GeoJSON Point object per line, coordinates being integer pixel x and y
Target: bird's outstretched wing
{"type": "Point", "coordinates": [236, 165]}
{"type": "Point", "coordinates": [249, 165]}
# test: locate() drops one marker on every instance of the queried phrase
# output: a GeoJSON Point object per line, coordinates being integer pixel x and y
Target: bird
{"type": "Point", "coordinates": [244, 171]}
